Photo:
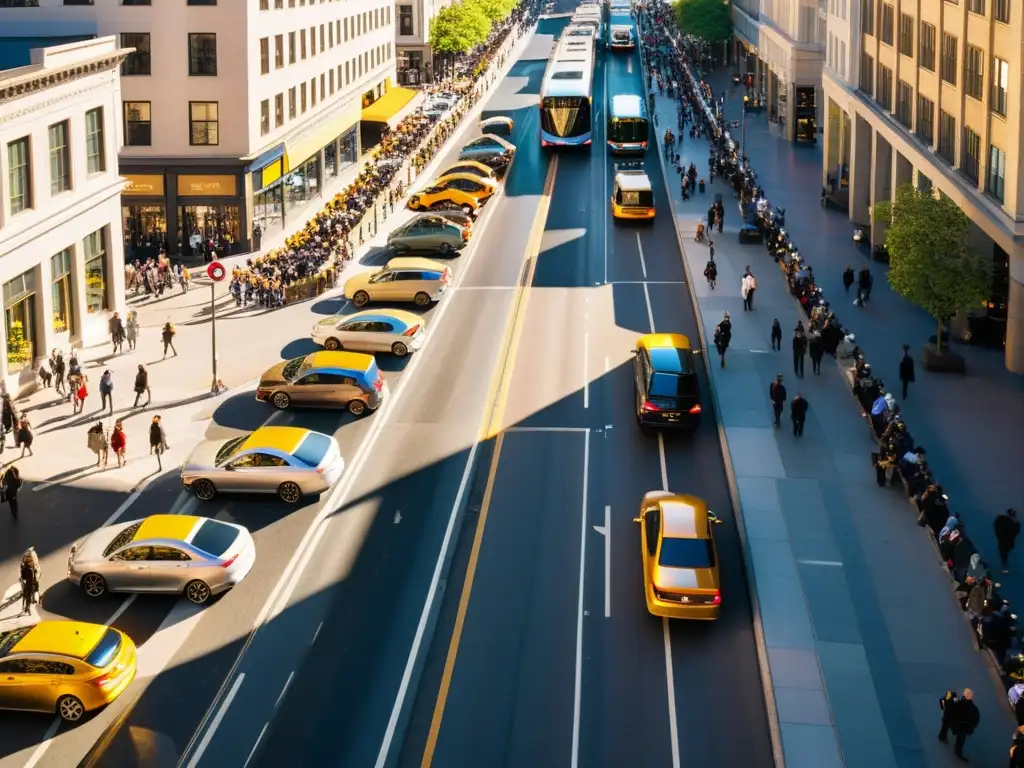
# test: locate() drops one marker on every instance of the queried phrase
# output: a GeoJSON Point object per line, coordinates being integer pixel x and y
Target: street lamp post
{"type": "Point", "coordinates": [216, 272]}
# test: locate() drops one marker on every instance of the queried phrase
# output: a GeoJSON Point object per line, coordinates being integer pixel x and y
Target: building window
{"type": "Point", "coordinates": [905, 104]}
{"type": "Point", "coordinates": [976, 6]}
{"type": "Point", "coordinates": [136, 2]}
{"type": "Point", "coordinates": [949, 58]}
{"type": "Point", "coordinates": [138, 130]}
{"type": "Point", "coordinates": [1001, 11]}
{"type": "Point", "coordinates": [883, 93]}
{"type": "Point", "coordinates": [203, 124]}
{"type": "Point", "coordinates": [279, 110]}
{"type": "Point", "coordinates": [78, 2]}
{"type": "Point", "coordinates": [906, 35]}
{"type": "Point", "coordinates": [138, 62]}
{"type": "Point", "coordinates": [278, 51]}
{"type": "Point", "coordinates": [926, 58]}
{"type": "Point", "coordinates": [312, 92]}
{"type": "Point", "coordinates": [291, 48]}
{"type": "Point", "coordinates": [1000, 85]}
{"type": "Point", "coordinates": [323, 87]}
{"type": "Point", "coordinates": [867, 17]}
{"type": "Point", "coordinates": [330, 80]}
{"type": "Point", "coordinates": [330, 35]}
{"type": "Point", "coordinates": [264, 55]}
{"type": "Point", "coordinates": [291, 103]}
{"type": "Point", "coordinates": [202, 54]}
{"type": "Point", "coordinates": [19, 175]}
{"type": "Point", "coordinates": [947, 137]}
{"type": "Point", "coordinates": [264, 5]}
{"type": "Point", "coordinates": [302, 43]}
{"type": "Point", "coordinates": [312, 41]}
{"type": "Point", "coordinates": [201, 2]}
{"type": "Point", "coordinates": [972, 154]}
{"type": "Point", "coordinates": [302, 97]}
{"type": "Point", "coordinates": [887, 23]}
{"type": "Point", "coordinates": [995, 184]}
{"type": "Point", "coordinates": [60, 287]}
{"type": "Point", "coordinates": [264, 117]}
{"type": "Point", "coordinates": [925, 129]}
{"type": "Point", "coordinates": [60, 158]}
{"type": "Point", "coordinates": [405, 20]}
{"type": "Point", "coordinates": [95, 151]}
{"type": "Point", "coordinates": [95, 257]}
{"type": "Point", "coordinates": [974, 80]}
{"type": "Point", "coordinates": [19, 320]}
{"type": "Point", "coordinates": [866, 80]}
{"type": "Point", "coordinates": [323, 47]}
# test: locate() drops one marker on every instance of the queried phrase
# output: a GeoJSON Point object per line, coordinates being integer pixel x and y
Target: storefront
{"type": "Point", "coordinates": [806, 114]}
{"type": "Point", "coordinates": [384, 110]}
{"type": "Point", "coordinates": [143, 216]}
{"type": "Point", "coordinates": [412, 69]}
{"type": "Point", "coordinates": [61, 295]}
{"type": "Point", "coordinates": [20, 328]}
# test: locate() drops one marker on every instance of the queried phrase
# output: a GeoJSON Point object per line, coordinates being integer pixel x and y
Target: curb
{"type": "Point", "coordinates": [763, 662]}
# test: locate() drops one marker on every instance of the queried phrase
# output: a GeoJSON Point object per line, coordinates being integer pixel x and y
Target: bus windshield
{"type": "Point", "coordinates": [565, 116]}
{"type": "Point", "coordinates": [627, 130]}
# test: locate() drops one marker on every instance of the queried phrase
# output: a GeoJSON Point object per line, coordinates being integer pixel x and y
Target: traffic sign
{"type": "Point", "coordinates": [216, 271]}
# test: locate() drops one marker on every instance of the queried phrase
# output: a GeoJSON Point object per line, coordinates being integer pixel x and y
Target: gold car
{"type": "Point", "coordinates": [679, 556]}
{"type": "Point", "coordinates": [67, 667]}
{"type": "Point", "coordinates": [443, 197]}
{"type": "Point", "coordinates": [632, 196]}
{"type": "Point", "coordinates": [324, 379]}
{"type": "Point", "coordinates": [403, 279]}
{"type": "Point", "coordinates": [471, 167]}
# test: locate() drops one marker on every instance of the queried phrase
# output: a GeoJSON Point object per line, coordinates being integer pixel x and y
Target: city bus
{"type": "Point", "coordinates": [589, 16]}
{"type": "Point", "coordinates": [566, 93]}
{"type": "Point", "coordinates": [620, 36]}
{"type": "Point", "coordinates": [628, 127]}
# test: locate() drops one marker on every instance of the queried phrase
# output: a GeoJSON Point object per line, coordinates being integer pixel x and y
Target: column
{"type": "Point", "coordinates": [833, 140]}
{"type": "Point", "coordinates": [171, 204]}
{"type": "Point", "coordinates": [790, 112]}
{"type": "Point", "coordinates": [45, 337]}
{"type": "Point", "coordinates": [321, 172]}
{"type": "Point", "coordinates": [1014, 314]}
{"type": "Point", "coordinates": [860, 171]}
{"type": "Point", "coordinates": [77, 280]}
{"type": "Point", "coordinates": [902, 171]}
{"type": "Point", "coordinates": [114, 266]}
{"type": "Point", "coordinates": [881, 182]}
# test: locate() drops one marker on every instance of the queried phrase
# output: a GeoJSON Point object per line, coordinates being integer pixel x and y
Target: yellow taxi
{"type": "Point", "coordinates": [66, 667]}
{"type": "Point", "coordinates": [477, 187]}
{"type": "Point", "coordinates": [679, 556]}
{"type": "Point", "coordinates": [439, 197]}
{"type": "Point", "coordinates": [632, 195]}
{"type": "Point", "coordinates": [471, 167]}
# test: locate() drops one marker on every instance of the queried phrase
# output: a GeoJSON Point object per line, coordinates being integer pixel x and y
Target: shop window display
{"type": "Point", "coordinates": [199, 224]}
{"type": "Point", "coordinates": [95, 250]}
{"type": "Point", "coordinates": [19, 321]}
{"type": "Point", "coordinates": [60, 269]}
{"type": "Point", "coordinates": [302, 184]}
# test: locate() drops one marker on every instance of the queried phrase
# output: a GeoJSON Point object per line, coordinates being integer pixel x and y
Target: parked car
{"type": "Point", "coordinates": [329, 379]}
{"type": "Point", "coordinates": [492, 151]}
{"type": "Point", "coordinates": [471, 167]}
{"type": "Point", "coordinates": [429, 233]}
{"type": "Point", "coordinates": [372, 330]}
{"type": "Point", "coordinates": [499, 125]}
{"type": "Point", "coordinates": [404, 279]}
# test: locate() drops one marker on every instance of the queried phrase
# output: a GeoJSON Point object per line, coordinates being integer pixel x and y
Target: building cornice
{"type": "Point", "coordinates": [41, 80]}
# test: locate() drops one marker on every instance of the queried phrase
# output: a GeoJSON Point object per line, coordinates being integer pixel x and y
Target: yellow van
{"type": "Point", "coordinates": [632, 196]}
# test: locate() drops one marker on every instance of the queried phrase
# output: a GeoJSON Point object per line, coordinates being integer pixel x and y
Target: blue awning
{"type": "Point", "coordinates": [274, 153]}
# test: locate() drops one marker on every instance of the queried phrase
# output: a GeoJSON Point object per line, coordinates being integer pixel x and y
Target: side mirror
{"type": "Point", "coordinates": [637, 520]}
{"type": "Point", "coordinates": [698, 351]}
{"type": "Point", "coordinates": [713, 518]}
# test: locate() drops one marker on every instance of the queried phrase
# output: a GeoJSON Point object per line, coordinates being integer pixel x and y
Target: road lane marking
{"type": "Point", "coordinates": [606, 196]}
{"type": "Point", "coordinates": [284, 690]}
{"type": "Point", "coordinates": [125, 505]}
{"type": "Point", "coordinates": [606, 531]}
{"type": "Point", "coordinates": [650, 312]}
{"type": "Point", "coordinates": [255, 746]}
{"type": "Point", "coordinates": [673, 726]}
{"type": "Point", "coordinates": [643, 262]}
{"type": "Point", "coordinates": [44, 745]}
{"type": "Point", "coordinates": [664, 463]}
{"type": "Point", "coordinates": [546, 429]}
{"type": "Point", "coordinates": [215, 723]}
{"type": "Point", "coordinates": [121, 609]}
{"type": "Point", "coordinates": [828, 563]}
{"type": "Point", "coordinates": [578, 688]}
{"type": "Point", "coordinates": [647, 282]}
{"type": "Point", "coordinates": [317, 633]}
{"type": "Point", "coordinates": [586, 370]}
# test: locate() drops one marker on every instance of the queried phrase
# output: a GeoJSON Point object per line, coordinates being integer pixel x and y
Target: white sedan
{"type": "Point", "coordinates": [373, 330]}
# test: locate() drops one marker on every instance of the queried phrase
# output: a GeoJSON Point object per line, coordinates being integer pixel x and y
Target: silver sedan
{"type": "Point", "coordinates": [170, 554]}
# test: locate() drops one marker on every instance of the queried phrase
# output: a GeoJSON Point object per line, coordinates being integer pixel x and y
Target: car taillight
{"type": "Point", "coordinates": [320, 470]}
{"type": "Point", "coordinates": [716, 599]}
{"type": "Point", "coordinates": [465, 233]}
{"type": "Point", "coordinates": [108, 679]}
{"type": "Point", "coordinates": [446, 276]}
{"type": "Point", "coordinates": [378, 384]}
{"type": "Point", "coordinates": [412, 331]}
{"type": "Point", "coordinates": [650, 407]}
{"type": "Point", "coordinates": [228, 563]}
{"type": "Point", "coordinates": [695, 410]}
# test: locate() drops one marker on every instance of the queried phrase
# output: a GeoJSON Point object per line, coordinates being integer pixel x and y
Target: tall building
{"type": "Point", "coordinates": [61, 257]}
{"type": "Point", "coordinates": [781, 43]}
{"type": "Point", "coordinates": [930, 93]}
{"type": "Point", "coordinates": [235, 112]}
{"type": "Point", "coordinates": [412, 38]}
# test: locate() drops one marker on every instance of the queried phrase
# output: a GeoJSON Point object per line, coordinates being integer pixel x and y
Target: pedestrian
{"type": "Point", "coordinates": [816, 349]}
{"type": "Point", "coordinates": [776, 335]}
{"type": "Point", "coordinates": [132, 329]}
{"type": "Point", "coordinates": [8, 419]}
{"type": "Point", "coordinates": [118, 443]}
{"type": "Point", "coordinates": [142, 385]}
{"type": "Point", "coordinates": [1017, 748]}
{"type": "Point", "coordinates": [10, 484]}
{"type": "Point", "coordinates": [157, 440]}
{"type": "Point", "coordinates": [97, 442]}
{"type": "Point", "coordinates": [799, 350]}
{"type": "Point", "coordinates": [107, 390]}
{"type": "Point", "coordinates": [29, 577]}
{"type": "Point", "coordinates": [1007, 528]}
{"type": "Point", "coordinates": [959, 716]}
{"type": "Point", "coordinates": [798, 410]}
{"type": "Point", "coordinates": [747, 287]}
{"type": "Point", "coordinates": [117, 332]}
{"type": "Point", "coordinates": [167, 335]}
{"type": "Point", "coordinates": [906, 370]}
{"type": "Point", "coordinates": [864, 283]}
{"type": "Point", "coordinates": [81, 392]}
{"type": "Point", "coordinates": [59, 367]}
{"type": "Point", "coordinates": [723, 335]}
{"type": "Point", "coordinates": [25, 436]}
{"type": "Point", "coordinates": [848, 278]}
{"type": "Point", "coordinates": [777, 394]}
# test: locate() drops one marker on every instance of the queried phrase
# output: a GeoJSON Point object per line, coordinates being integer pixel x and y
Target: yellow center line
{"type": "Point", "coordinates": [493, 429]}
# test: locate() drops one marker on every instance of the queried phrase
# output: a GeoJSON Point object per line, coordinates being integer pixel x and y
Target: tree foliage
{"type": "Point", "coordinates": [461, 26]}
{"type": "Point", "coordinates": [930, 261]}
{"type": "Point", "coordinates": [707, 19]}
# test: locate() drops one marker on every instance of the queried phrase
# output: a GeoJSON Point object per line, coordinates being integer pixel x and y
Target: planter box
{"type": "Point", "coordinates": [946, 361]}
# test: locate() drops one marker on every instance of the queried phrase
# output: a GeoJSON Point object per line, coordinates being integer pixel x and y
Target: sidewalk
{"type": "Point", "coordinates": [861, 630]}
{"type": "Point", "coordinates": [11, 615]}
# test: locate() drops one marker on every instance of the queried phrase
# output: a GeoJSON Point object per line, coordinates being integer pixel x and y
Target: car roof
{"type": "Point", "coordinates": [450, 176]}
{"type": "Point", "coordinates": [349, 361]}
{"type": "Point", "coordinates": [471, 164]}
{"type": "Point", "coordinates": [427, 216]}
{"type": "Point", "coordinates": [171, 527]}
{"type": "Point", "coordinates": [496, 119]}
{"type": "Point", "coordinates": [66, 638]}
{"type": "Point", "coordinates": [684, 517]}
{"type": "Point", "coordinates": [399, 316]}
{"type": "Point", "coordinates": [496, 139]}
{"type": "Point", "coordinates": [633, 181]}
{"type": "Point", "coordinates": [282, 439]}
{"type": "Point", "coordinates": [652, 341]}
{"type": "Point", "coordinates": [414, 262]}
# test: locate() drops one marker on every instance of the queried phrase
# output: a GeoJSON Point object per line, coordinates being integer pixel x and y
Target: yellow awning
{"type": "Point", "coordinates": [389, 105]}
{"type": "Point", "coordinates": [309, 142]}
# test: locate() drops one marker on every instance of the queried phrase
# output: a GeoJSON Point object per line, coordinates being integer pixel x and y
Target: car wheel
{"type": "Point", "coordinates": [197, 592]}
{"type": "Point", "coordinates": [361, 299]}
{"type": "Point", "coordinates": [289, 492]}
{"type": "Point", "coordinates": [421, 299]}
{"type": "Point", "coordinates": [399, 349]}
{"type": "Point", "coordinates": [446, 249]}
{"type": "Point", "coordinates": [204, 490]}
{"type": "Point", "coordinates": [70, 709]}
{"type": "Point", "coordinates": [332, 344]}
{"type": "Point", "coordinates": [356, 407]}
{"type": "Point", "coordinates": [281, 399]}
{"type": "Point", "coordinates": [94, 585]}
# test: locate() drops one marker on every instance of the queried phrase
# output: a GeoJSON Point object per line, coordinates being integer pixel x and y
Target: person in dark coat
{"type": "Point", "coordinates": [848, 278]}
{"type": "Point", "coordinates": [777, 394]}
{"type": "Point", "coordinates": [799, 351]}
{"type": "Point", "coordinates": [961, 717]}
{"type": "Point", "coordinates": [906, 370]}
{"type": "Point", "coordinates": [776, 335]}
{"type": "Point", "coordinates": [723, 335]}
{"type": "Point", "coordinates": [816, 348]}
{"type": "Point", "coordinates": [157, 441]}
{"type": "Point", "coordinates": [1007, 528]}
{"type": "Point", "coordinates": [798, 411]}
{"type": "Point", "coordinates": [142, 385]}
{"type": "Point", "coordinates": [10, 484]}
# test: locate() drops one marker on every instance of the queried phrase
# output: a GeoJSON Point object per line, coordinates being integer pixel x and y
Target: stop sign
{"type": "Point", "coordinates": [216, 271]}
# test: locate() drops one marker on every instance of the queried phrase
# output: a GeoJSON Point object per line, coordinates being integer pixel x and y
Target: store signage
{"type": "Point", "coordinates": [206, 186]}
{"type": "Point", "coordinates": [138, 185]}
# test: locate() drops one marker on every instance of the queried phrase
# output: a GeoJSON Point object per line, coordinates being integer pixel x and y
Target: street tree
{"type": "Point", "coordinates": [455, 30]}
{"type": "Point", "coordinates": [930, 263]}
{"type": "Point", "coordinates": [709, 20]}
{"type": "Point", "coordinates": [493, 10]}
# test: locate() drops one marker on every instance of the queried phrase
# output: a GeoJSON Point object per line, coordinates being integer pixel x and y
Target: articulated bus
{"type": "Point", "coordinates": [566, 93]}
{"type": "Point", "coordinates": [589, 16]}
{"type": "Point", "coordinates": [628, 127]}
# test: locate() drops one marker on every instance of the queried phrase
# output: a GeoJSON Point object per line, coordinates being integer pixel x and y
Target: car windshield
{"type": "Point", "coordinates": [214, 537]}
{"type": "Point", "coordinates": [673, 385]}
{"type": "Point", "coordinates": [378, 276]}
{"type": "Point", "coordinates": [291, 368]}
{"type": "Point", "coordinates": [10, 639]}
{"type": "Point", "coordinates": [687, 553]}
{"type": "Point", "coordinates": [106, 649]}
{"type": "Point", "coordinates": [122, 538]}
{"type": "Point", "coordinates": [229, 449]}
{"type": "Point", "coordinates": [312, 449]}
